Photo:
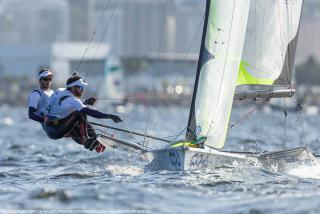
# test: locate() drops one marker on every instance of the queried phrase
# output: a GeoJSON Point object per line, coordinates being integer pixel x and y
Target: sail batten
{"type": "Point", "coordinates": [219, 59]}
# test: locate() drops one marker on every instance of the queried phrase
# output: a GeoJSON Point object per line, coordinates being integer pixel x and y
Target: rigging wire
{"type": "Point", "coordinates": [191, 44]}
{"type": "Point", "coordinates": [163, 24]}
{"type": "Point", "coordinates": [160, 41]}
{"type": "Point", "coordinates": [258, 54]}
{"type": "Point", "coordinates": [89, 43]}
{"type": "Point", "coordinates": [101, 131]}
{"type": "Point", "coordinates": [99, 44]}
{"type": "Point", "coordinates": [145, 136]}
{"type": "Point", "coordinates": [252, 132]}
{"type": "Point", "coordinates": [146, 99]}
{"type": "Point", "coordinates": [103, 34]}
{"type": "Point", "coordinates": [258, 64]}
{"type": "Point", "coordinates": [256, 129]}
{"type": "Point", "coordinates": [243, 118]}
{"type": "Point", "coordinates": [180, 133]}
{"type": "Point", "coordinates": [300, 118]}
{"type": "Point", "coordinates": [258, 71]}
{"type": "Point", "coordinates": [176, 73]}
{"type": "Point", "coordinates": [299, 114]}
{"type": "Point", "coordinates": [93, 35]}
{"type": "Point", "coordinates": [285, 124]}
{"type": "Point", "coordinates": [102, 37]}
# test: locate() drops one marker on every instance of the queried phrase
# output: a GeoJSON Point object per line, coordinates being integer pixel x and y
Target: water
{"type": "Point", "coordinates": [40, 174]}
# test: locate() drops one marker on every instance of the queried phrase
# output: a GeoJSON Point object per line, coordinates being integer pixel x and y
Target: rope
{"type": "Point", "coordinates": [113, 135]}
{"type": "Point", "coordinates": [241, 119]}
{"type": "Point", "coordinates": [285, 127]}
{"type": "Point", "coordinates": [299, 114]}
{"type": "Point", "coordinates": [300, 117]}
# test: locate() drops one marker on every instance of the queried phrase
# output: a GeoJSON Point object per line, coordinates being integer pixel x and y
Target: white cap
{"type": "Point", "coordinates": [79, 82]}
{"type": "Point", "coordinates": [45, 74]}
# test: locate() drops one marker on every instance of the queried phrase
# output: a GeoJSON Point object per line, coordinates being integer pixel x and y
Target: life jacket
{"type": "Point", "coordinates": [43, 101]}
{"type": "Point", "coordinates": [53, 110]}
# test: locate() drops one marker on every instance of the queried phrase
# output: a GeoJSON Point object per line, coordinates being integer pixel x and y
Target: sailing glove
{"type": "Point", "coordinates": [115, 118]}
{"type": "Point", "coordinates": [90, 101]}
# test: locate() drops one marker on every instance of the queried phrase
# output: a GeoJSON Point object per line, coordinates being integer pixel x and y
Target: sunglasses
{"type": "Point", "coordinates": [47, 79]}
{"type": "Point", "coordinates": [80, 87]}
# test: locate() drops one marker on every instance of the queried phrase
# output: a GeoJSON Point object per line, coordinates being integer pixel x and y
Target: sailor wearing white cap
{"type": "Point", "coordinates": [38, 97]}
{"type": "Point", "coordinates": [65, 115]}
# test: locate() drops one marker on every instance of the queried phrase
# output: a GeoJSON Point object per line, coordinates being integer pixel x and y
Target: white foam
{"type": "Point", "coordinates": [124, 170]}
{"type": "Point", "coordinates": [7, 121]}
{"type": "Point", "coordinates": [306, 171]}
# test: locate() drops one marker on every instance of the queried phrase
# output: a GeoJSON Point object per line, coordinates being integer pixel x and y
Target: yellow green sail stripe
{"type": "Point", "coordinates": [245, 78]}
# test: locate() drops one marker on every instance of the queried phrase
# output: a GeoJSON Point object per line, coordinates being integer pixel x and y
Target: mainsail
{"type": "Point", "coordinates": [270, 43]}
{"type": "Point", "coordinates": [217, 71]}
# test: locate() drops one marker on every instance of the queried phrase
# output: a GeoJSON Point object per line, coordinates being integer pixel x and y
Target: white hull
{"type": "Point", "coordinates": [186, 158]}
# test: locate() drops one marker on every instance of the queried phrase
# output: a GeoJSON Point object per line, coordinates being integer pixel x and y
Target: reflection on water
{"type": "Point", "coordinates": [37, 173]}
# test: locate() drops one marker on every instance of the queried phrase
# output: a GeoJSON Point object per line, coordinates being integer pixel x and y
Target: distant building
{"type": "Point", "coordinates": [132, 28]}
{"type": "Point", "coordinates": [142, 27]}
{"type": "Point", "coordinates": [33, 21]}
{"type": "Point", "coordinates": [27, 30]}
{"type": "Point", "coordinates": [189, 15]}
{"type": "Point", "coordinates": [23, 60]}
{"type": "Point", "coordinates": [109, 21]}
{"type": "Point", "coordinates": [66, 58]}
{"type": "Point", "coordinates": [81, 19]}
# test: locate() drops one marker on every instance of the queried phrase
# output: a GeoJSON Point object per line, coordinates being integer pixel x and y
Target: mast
{"type": "Point", "coordinates": [191, 133]}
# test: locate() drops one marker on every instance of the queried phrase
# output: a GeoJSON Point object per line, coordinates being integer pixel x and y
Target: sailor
{"type": "Point", "coordinates": [65, 116]}
{"type": "Point", "coordinates": [38, 97]}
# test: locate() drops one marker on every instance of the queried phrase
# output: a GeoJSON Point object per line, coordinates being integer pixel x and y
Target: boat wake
{"type": "Point", "coordinates": [117, 170]}
{"type": "Point", "coordinates": [303, 171]}
{"type": "Point", "coordinates": [299, 162]}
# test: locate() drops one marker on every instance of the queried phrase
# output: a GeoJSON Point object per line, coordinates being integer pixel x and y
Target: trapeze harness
{"type": "Point", "coordinates": [43, 102]}
{"type": "Point", "coordinates": [73, 125]}
{"type": "Point", "coordinates": [60, 123]}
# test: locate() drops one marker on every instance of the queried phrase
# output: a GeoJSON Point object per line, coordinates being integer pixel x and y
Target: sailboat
{"type": "Point", "coordinates": [112, 87]}
{"type": "Point", "coordinates": [244, 43]}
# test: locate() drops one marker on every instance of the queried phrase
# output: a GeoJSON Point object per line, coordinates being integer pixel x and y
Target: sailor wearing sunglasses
{"type": "Point", "coordinates": [65, 116]}
{"type": "Point", "coordinates": [38, 98]}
